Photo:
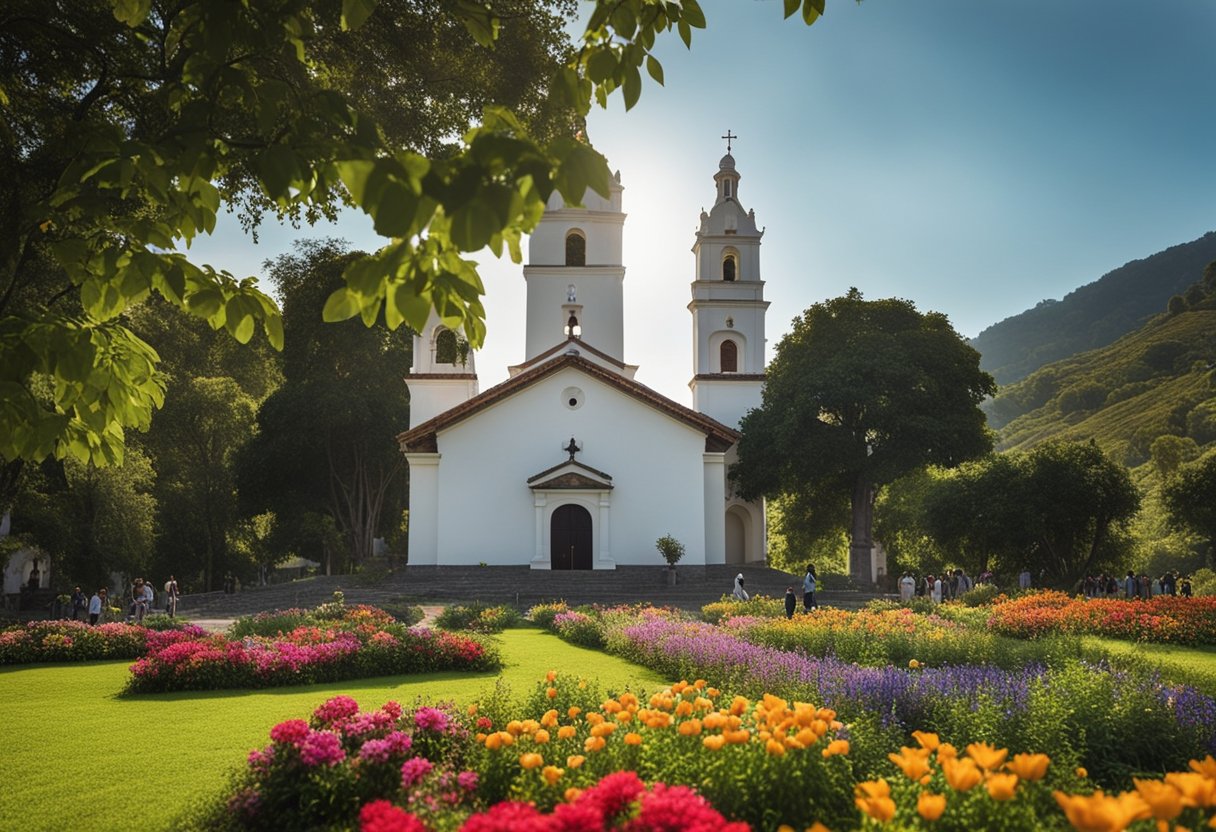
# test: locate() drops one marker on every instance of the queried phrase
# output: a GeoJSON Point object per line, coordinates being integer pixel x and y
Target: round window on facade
{"type": "Point", "coordinates": [572, 398]}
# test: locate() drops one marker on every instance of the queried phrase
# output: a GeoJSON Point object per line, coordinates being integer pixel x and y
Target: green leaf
{"type": "Point", "coordinates": [791, 6]}
{"type": "Point", "coordinates": [272, 325]}
{"type": "Point", "coordinates": [239, 318]}
{"type": "Point", "coordinates": [356, 12]}
{"type": "Point", "coordinates": [811, 10]}
{"type": "Point", "coordinates": [654, 68]}
{"type": "Point", "coordinates": [473, 224]}
{"type": "Point", "coordinates": [685, 32]}
{"type": "Point", "coordinates": [132, 12]}
{"type": "Point", "coordinates": [278, 168]}
{"type": "Point", "coordinates": [632, 87]}
{"type": "Point", "coordinates": [407, 306]}
{"type": "Point", "coordinates": [341, 305]}
{"type": "Point", "coordinates": [394, 212]}
{"type": "Point", "coordinates": [602, 64]}
{"type": "Point", "coordinates": [691, 12]}
{"type": "Point", "coordinates": [479, 20]}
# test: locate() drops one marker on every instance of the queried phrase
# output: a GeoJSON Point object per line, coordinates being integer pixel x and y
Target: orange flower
{"type": "Point", "coordinates": [1082, 772]}
{"type": "Point", "coordinates": [1098, 812]}
{"type": "Point", "coordinates": [573, 711]}
{"type": "Point", "coordinates": [913, 762]}
{"type": "Point", "coordinates": [836, 747]}
{"type": "Point", "coordinates": [989, 757]}
{"type": "Point", "coordinates": [541, 736]}
{"type": "Point", "coordinates": [515, 727]}
{"type": "Point", "coordinates": [592, 744]}
{"type": "Point", "coordinates": [946, 751]}
{"type": "Point", "coordinates": [774, 748]}
{"type": "Point", "coordinates": [551, 693]}
{"type": "Point", "coordinates": [571, 794]}
{"type": "Point", "coordinates": [874, 798]}
{"type": "Point", "coordinates": [931, 806]}
{"type": "Point", "coordinates": [1164, 799]}
{"type": "Point", "coordinates": [575, 760]}
{"type": "Point", "coordinates": [602, 729]}
{"type": "Point", "coordinates": [566, 732]}
{"type": "Point", "coordinates": [1002, 786]}
{"type": "Point", "coordinates": [633, 739]}
{"type": "Point", "coordinates": [927, 741]}
{"type": "Point", "coordinates": [594, 718]}
{"type": "Point", "coordinates": [473, 709]}
{"type": "Point", "coordinates": [551, 676]}
{"type": "Point", "coordinates": [690, 727]}
{"type": "Point", "coordinates": [1206, 766]}
{"type": "Point", "coordinates": [552, 774]}
{"type": "Point", "coordinates": [1196, 789]}
{"type": "Point", "coordinates": [739, 737]}
{"type": "Point", "coordinates": [549, 720]}
{"type": "Point", "coordinates": [714, 742]}
{"type": "Point", "coordinates": [531, 760]}
{"type": "Point", "coordinates": [962, 774]}
{"type": "Point", "coordinates": [1029, 766]}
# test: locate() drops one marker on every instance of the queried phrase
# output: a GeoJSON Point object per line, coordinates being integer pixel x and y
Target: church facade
{"type": "Point", "coordinates": [571, 463]}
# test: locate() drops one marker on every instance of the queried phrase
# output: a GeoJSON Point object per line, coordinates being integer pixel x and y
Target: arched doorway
{"type": "Point", "coordinates": [736, 536]}
{"type": "Point", "coordinates": [570, 538]}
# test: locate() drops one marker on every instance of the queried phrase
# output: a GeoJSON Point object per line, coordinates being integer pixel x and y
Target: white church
{"type": "Point", "coordinates": [571, 463]}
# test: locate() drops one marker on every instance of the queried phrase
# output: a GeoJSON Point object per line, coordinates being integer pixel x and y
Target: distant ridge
{"type": "Point", "coordinates": [1094, 315]}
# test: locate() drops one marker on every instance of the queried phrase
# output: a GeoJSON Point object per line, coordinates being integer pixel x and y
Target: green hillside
{"type": "Point", "coordinates": [1094, 315]}
{"type": "Point", "coordinates": [1156, 381]}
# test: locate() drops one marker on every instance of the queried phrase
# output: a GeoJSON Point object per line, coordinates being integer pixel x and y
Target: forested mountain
{"type": "Point", "coordinates": [1094, 315]}
{"type": "Point", "coordinates": [1159, 380]}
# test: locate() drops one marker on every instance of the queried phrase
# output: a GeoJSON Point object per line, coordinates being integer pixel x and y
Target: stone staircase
{"type": "Point", "coordinates": [516, 585]}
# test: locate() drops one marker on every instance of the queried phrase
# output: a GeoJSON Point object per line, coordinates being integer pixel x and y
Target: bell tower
{"type": "Point", "coordinates": [728, 304]}
{"type": "Point", "coordinates": [576, 276]}
{"type": "Point", "coordinates": [444, 373]}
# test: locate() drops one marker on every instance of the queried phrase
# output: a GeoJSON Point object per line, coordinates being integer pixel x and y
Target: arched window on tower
{"type": "Point", "coordinates": [576, 249]}
{"type": "Point", "coordinates": [729, 267]}
{"type": "Point", "coordinates": [728, 357]}
{"type": "Point", "coordinates": [445, 347]}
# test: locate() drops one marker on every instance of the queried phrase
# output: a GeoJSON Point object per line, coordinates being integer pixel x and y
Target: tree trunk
{"type": "Point", "coordinates": [861, 542]}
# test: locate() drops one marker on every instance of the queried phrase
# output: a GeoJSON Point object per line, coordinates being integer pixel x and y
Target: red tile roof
{"type": "Point", "coordinates": [718, 437]}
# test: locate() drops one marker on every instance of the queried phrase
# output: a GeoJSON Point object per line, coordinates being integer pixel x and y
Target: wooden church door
{"type": "Point", "coordinates": [570, 538]}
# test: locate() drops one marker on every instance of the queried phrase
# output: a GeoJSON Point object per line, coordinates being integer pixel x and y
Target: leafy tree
{"type": "Point", "coordinates": [1190, 500]}
{"type": "Point", "coordinates": [859, 394]}
{"type": "Point", "coordinates": [129, 124]}
{"type": "Point", "coordinates": [325, 442]}
{"type": "Point", "coordinates": [1168, 452]}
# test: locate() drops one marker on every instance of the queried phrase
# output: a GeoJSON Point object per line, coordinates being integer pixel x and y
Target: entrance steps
{"type": "Point", "coordinates": [518, 586]}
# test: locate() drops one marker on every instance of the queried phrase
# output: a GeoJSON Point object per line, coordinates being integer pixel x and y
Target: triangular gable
{"type": "Point", "coordinates": [570, 474]}
{"type": "Point", "coordinates": [576, 346]}
{"type": "Point", "coordinates": [423, 438]}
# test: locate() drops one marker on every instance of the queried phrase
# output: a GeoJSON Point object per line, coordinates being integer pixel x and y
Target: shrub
{"type": "Point", "coordinates": [980, 596]}
{"type": "Point", "coordinates": [478, 617]}
{"type": "Point", "coordinates": [542, 615]}
{"type": "Point", "coordinates": [758, 605]}
{"type": "Point", "coordinates": [670, 548]}
{"type": "Point", "coordinates": [75, 641]}
{"type": "Point", "coordinates": [578, 628]}
{"type": "Point", "coordinates": [1164, 618]}
{"type": "Point", "coordinates": [403, 612]}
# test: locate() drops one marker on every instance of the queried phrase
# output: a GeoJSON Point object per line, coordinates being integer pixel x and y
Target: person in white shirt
{"type": "Point", "coordinates": [95, 604]}
{"type": "Point", "coordinates": [937, 591]}
{"type": "Point", "coordinates": [907, 587]}
{"type": "Point", "coordinates": [740, 593]}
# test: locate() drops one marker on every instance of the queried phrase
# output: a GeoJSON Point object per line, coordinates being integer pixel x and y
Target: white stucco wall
{"type": "Point", "coordinates": [487, 512]}
{"type": "Point", "coordinates": [728, 401]}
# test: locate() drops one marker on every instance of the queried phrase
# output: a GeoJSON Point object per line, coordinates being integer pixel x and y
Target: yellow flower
{"type": "Point", "coordinates": [1002, 786]}
{"type": "Point", "coordinates": [1098, 812]}
{"type": "Point", "coordinates": [874, 798]}
{"type": "Point", "coordinates": [1029, 766]}
{"type": "Point", "coordinates": [1082, 772]}
{"type": "Point", "coordinates": [930, 806]}
{"type": "Point", "coordinates": [566, 732]}
{"type": "Point", "coordinates": [552, 774]}
{"type": "Point", "coordinates": [989, 757]}
{"type": "Point", "coordinates": [575, 760]}
{"type": "Point", "coordinates": [913, 663]}
{"type": "Point", "coordinates": [592, 744]}
{"type": "Point", "coordinates": [962, 774]}
{"type": "Point", "coordinates": [531, 760]}
{"type": "Point", "coordinates": [633, 739]}
{"type": "Point", "coordinates": [714, 742]}
{"type": "Point", "coordinates": [836, 747]}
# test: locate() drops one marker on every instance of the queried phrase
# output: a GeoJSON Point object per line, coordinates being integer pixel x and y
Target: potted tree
{"type": "Point", "coordinates": [671, 550]}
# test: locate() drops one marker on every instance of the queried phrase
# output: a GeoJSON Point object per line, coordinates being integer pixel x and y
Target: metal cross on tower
{"type": "Point", "coordinates": [729, 138]}
{"type": "Point", "coordinates": [572, 448]}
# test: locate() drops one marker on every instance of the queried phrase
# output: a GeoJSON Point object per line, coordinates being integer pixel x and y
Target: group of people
{"type": "Point", "coordinates": [1136, 586]}
{"type": "Point", "coordinates": [810, 583]}
{"type": "Point", "coordinates": [142, 598]}
{"type": "Point", "coordinates": [938, 588]}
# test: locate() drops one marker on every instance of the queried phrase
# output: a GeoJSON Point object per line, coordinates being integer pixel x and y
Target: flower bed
{"type": "Point", "coordinates": [294, 647]}
{"type": "Point", "coordinates": [758, 606]}
{"type": "Point", "coordinates": [1165, 618]}
{"type": "Point", "coordinates": [1115, 723]}
{"type": "Point", "coordinates": [478, 617]}
{"type": "Point", "coordinates": [713, 762]}
{"type": "Point", "coordinates": [76, 641]}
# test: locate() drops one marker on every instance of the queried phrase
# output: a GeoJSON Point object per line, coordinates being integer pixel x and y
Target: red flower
{"type": "Point", "coordinates": [382, 816]}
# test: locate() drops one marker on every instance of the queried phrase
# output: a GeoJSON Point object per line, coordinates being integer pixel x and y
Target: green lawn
{"type": "Point", "coordinates": [1195, 666]}
{"type": "Point", "coordinates": [76, 754]}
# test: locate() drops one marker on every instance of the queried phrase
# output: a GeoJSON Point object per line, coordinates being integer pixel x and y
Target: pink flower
{"type": "Point", "coordinates": [413, 770]}
{"type": "Point", "coordinates": [379, 751]}
{"type": "Point", "coordinates": [332, 710]}
{"type": "Point", "coordinates": [392, 709]}
{"type": "Point", "coordinates": [431, 719]}
{"type": "Point", "coordinates": [468, 780]}
{"type": "Point", "coordinates": [382, 816]}
{"type": "Point", "coordinates": [321, 748]}
{"type": "Point", "coordinates": [290, 732]}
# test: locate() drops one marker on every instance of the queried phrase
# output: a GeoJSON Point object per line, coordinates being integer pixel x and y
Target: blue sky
{"type": "Point", "coordinates": [974, 157]}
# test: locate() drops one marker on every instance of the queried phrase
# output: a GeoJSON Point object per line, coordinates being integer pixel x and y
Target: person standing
{"type": "Point", "coordinates": [95, 605]}
{"type": "Point", "coordinates": [1129, 585]}
{"type": "Point", "coordinates": [171, 594]}
{"type": "Point", "coordinates": [740, 594]}
{"type": "Point", "coordinates": [937, 591]}
{"type": "Point", "coordinates": [907, 587]}
{"type": "Point", "coordinates": [1024, 579]}
{"type": "Point", "coordinates": [791, 602]}
{"type": "Point", "coordinates": [809, 584]}
{"type": "Point", "coordinates": [80, 603]}
{"type": "Point", "coordinates": [1184, 589]}
{"type": "Point", "coordinates": [139, 601]}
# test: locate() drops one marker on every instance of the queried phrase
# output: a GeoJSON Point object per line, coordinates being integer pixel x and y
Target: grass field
{"type": "Point", "coordinates": [75, 754]}
{"type": "Point", "coordinates": [1195, 666]}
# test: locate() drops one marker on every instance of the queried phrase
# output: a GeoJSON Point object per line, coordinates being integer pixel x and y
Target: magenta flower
{"type": "Point", "coordinates": [321, 748]}
{"type": "Point", "coordinates": [290, 732]}
{"type": "Point", "coordinates": [413, 770]}
{"type": "Point", "coordinates": [431, 719]}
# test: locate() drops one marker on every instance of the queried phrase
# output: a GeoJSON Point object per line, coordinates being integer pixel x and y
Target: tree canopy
{"type": "Point", "coordinates": [129, 124]}
{"type": "Point", "coordinates": [860, 393]}
{"type": "Point", "coordinates": [1190, 500]}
